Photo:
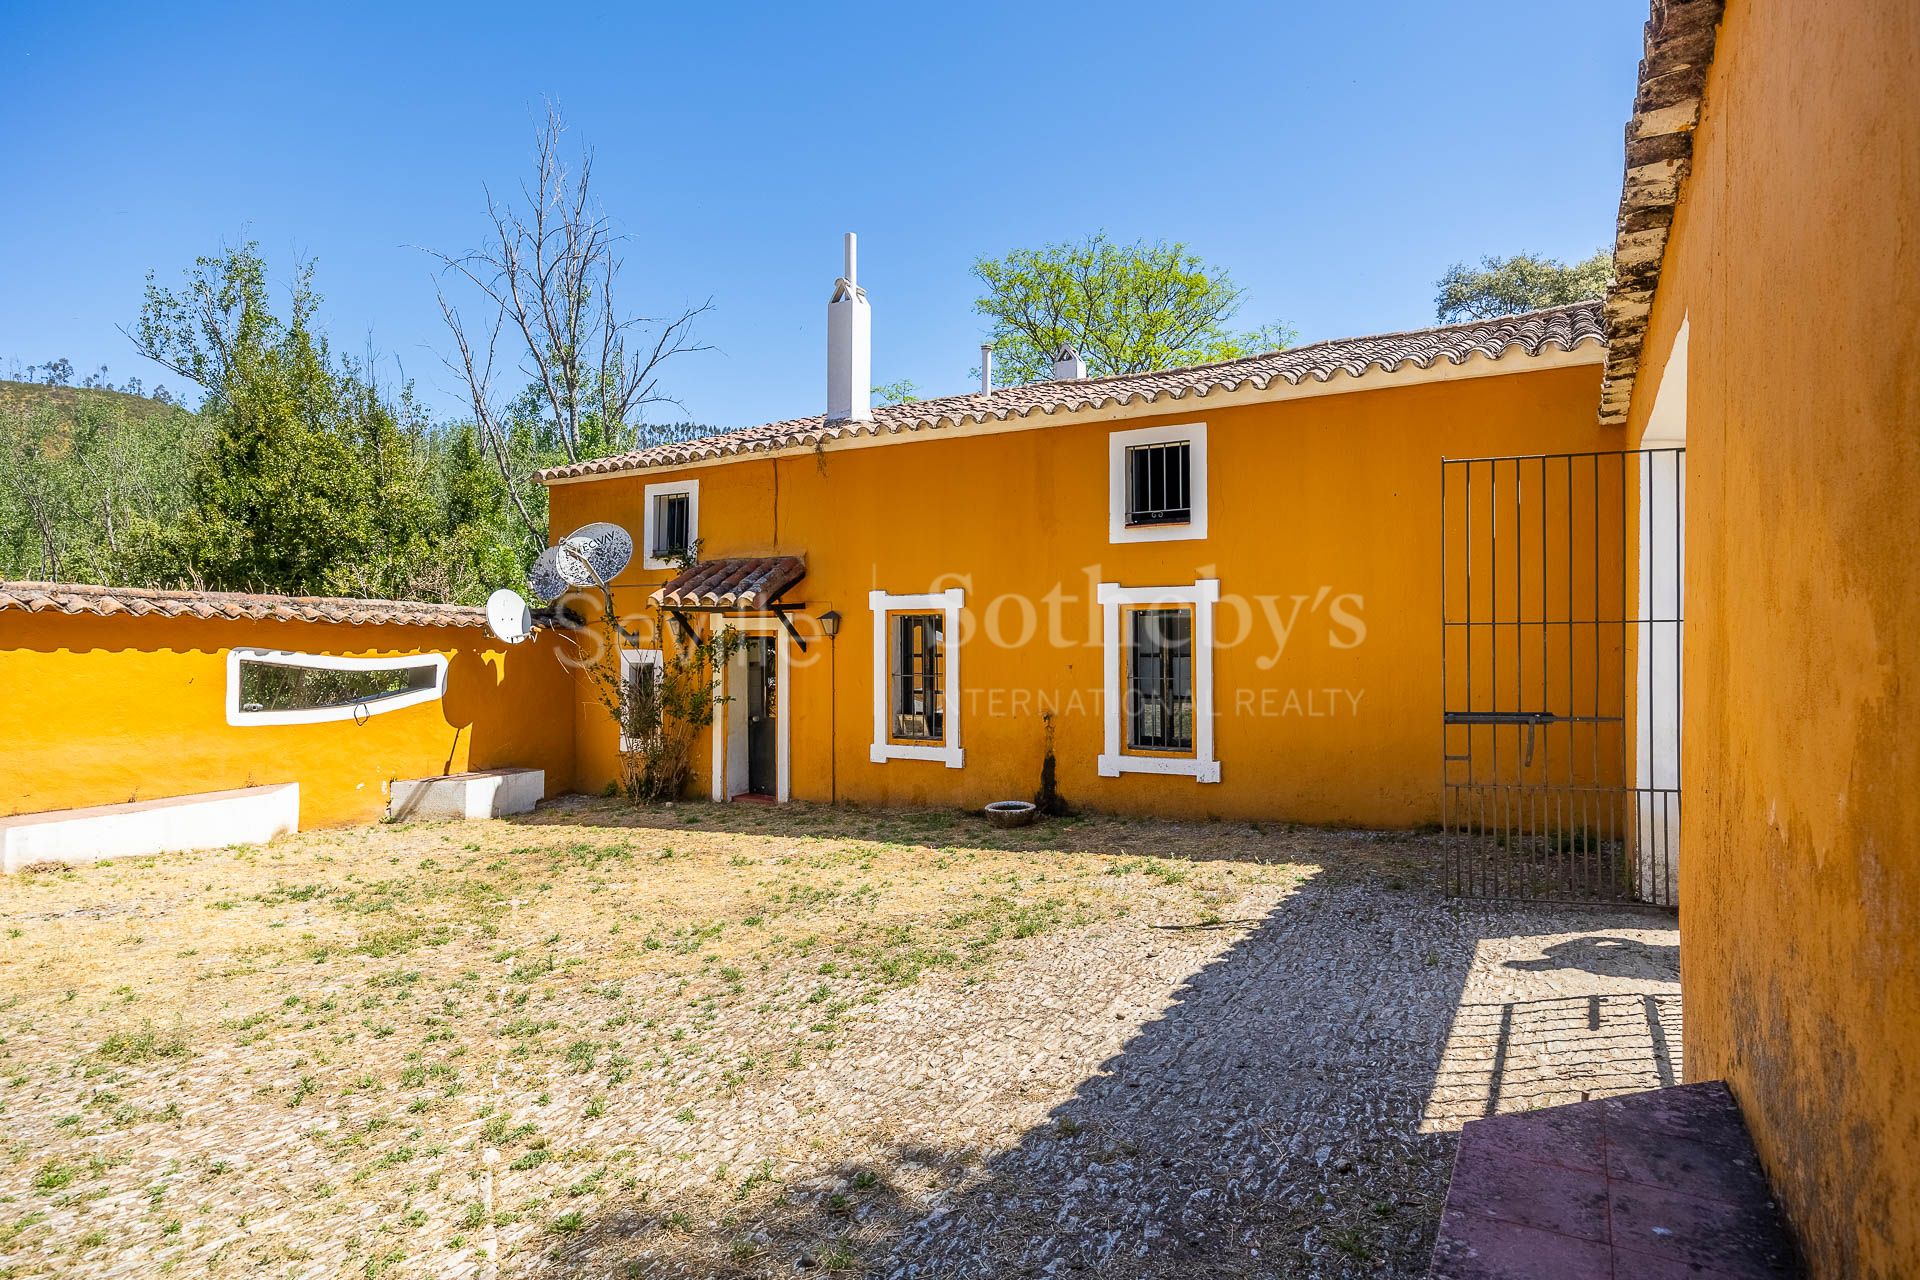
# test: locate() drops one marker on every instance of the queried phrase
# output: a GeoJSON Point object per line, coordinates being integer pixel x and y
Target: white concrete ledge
{"type": "Point", "coordinates": [209, 820]}
{"type": "Point", "coordinates": [491, 793]}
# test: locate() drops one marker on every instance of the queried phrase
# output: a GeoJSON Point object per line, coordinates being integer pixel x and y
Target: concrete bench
{"type": "Point", "coordinates": [488, 793]}
{"type": "Point", "coordinates": [1655, 1185]}
{"type": "Point", "coordinates": [208, 820]}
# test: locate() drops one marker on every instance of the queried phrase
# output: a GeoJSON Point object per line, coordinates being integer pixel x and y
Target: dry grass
{"type": "Point", "coordinates": [289, 1059]}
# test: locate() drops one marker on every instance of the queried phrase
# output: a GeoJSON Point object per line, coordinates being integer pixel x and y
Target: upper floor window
{"type": "Point", "coordinates": [272, 686]}
{"type": "Point", "coordinates": [1157, 489]}
{"type": "Point", "coordinates": [671, 524]}
{"type": "Point", "coordinates": [1159, 483]}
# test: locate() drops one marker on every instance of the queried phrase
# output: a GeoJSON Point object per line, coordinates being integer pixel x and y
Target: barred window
{"type": "Point", "coordinates": [1159, 483]}
{"type": "Point", "coordinates": [672, 525]}
{"type": "Point", "coordinates": [916, 676]}
{"type": "Point", "coordinates": [1160, 679]}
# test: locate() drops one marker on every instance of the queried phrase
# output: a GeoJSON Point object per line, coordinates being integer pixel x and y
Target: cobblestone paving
{"type": "Point", "coordinates": [709, 1042]}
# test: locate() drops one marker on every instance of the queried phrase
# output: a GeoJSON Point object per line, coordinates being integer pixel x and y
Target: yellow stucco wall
{"type": "Point", "coordinates": [1792, 263]}
{"type": "Point", "coordinates": [104, 710]}
{"type": "Point", "coordinates": [1333, 500]}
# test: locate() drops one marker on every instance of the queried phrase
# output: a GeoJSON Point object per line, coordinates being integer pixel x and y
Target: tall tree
{"type": "Point", "coordinates": [1126, 308]}
{"type": "Point", "coordinates": [1524, 282]}
{"type": "Point", "coordinates": [583, 368]}
{"type": "Point", "coordinates": [312, 481]}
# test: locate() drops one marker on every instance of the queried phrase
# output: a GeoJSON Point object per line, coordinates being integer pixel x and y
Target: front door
{"type": "Point", "coordinates": [763, 705]}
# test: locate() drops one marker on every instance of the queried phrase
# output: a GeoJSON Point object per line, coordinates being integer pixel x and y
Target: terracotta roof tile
{"type": "Point", "coordinates": [730, 584]}
{"type": "Point", "coordinates": [1563, 328]}
{"type": "Point", "coordinates": [1679, 41]}
{"type": "Point", "coordinates": [146, 602]}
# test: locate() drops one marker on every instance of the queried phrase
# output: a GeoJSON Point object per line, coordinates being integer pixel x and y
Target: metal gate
{"type": "Point", "coordinates": [1561, 630]}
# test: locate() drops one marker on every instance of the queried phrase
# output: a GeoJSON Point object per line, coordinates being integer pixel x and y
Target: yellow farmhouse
{"type": "Point", "coordinates": [1211, 591]}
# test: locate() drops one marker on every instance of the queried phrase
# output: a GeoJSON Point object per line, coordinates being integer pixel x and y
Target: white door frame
{"type": "Point", "coordinates": [1662, 660]}
{"type": "Point", "coordinates": [725, 680]}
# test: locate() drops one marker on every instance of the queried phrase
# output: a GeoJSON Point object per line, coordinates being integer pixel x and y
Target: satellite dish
{"type": "Point", "coordinates": [594, 554]}
{"type": "Point", "coordinates": [508, 616]}
{"type": "Point", "coordinates": [544, 578]}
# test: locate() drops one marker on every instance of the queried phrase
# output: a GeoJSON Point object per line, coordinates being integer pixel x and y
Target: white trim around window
{"type": "Point", "coordinates": [359, 710]}
{"type": "Point", "coordinates": [948, 603]}
{"type": "Point", "coordinates": [1118, 442]}
{"type": "Point", "coordinates": [1114, 760]}
{"type": "Point", "coordinates": [629, 659]}
{"type": "Point", "coordinates": [649, 502]}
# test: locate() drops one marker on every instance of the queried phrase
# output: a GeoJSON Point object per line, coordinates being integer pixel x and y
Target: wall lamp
{"type": "Point", "coordinates": [830, 623]}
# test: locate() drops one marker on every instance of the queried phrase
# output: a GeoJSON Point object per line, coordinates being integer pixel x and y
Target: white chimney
{"type": "Point", "coordinates": [1067, 365]}
{"type": "Point", "coordinates": [849, 348]}
{"type": "Point", "coordinates": [986, 368]}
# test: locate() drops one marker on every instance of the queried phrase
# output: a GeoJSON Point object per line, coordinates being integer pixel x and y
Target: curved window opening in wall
{"type": "Point", "coordinates": [916, 675]}
{"type": "Point", "coordinates": [273, 686]}
{"type": "Point", "coordinates": [1157, 484]}
{"type": "Point", "coordinates": [670, 523]}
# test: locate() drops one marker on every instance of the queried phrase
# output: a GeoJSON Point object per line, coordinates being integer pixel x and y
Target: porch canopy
{"type": "Point", "coordinates": [743, 585]}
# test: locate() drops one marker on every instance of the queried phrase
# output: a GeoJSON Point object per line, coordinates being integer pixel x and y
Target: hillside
{"type": "Point", "coordinates": [29, 396]}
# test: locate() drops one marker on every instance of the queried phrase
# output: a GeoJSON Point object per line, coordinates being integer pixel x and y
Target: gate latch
{"type": "Point", "coordinates": [1531, 719]}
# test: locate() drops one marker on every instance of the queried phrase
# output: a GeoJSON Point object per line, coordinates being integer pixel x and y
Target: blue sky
{"type": "Point", "coordinates": [1334, 159]}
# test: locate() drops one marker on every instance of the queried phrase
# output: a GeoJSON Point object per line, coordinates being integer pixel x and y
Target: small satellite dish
{"type": "Point", "coordinates": [594, 554]}
{"type": "Point", "coordinates": [544, 578]}
{"type": "Point", "coordinates": [508, 616]}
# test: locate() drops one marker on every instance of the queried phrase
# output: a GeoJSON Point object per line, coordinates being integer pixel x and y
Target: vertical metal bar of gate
{"type": "Point", "coordinates": [1560, 747]}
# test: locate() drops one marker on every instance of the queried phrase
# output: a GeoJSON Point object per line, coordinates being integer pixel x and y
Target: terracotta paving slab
{"type": "Point", "coordinates": [1640, 1187]}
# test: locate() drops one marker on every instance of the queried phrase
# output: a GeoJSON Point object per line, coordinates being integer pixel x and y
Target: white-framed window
{"type": "Point", "coordinates": [916, 676]}
{"type": "Point", "coordinates": [1158, 703]}
{"type": "Point", "coordinates": [1157, 484]}
{"type": "Point", "coordinates": [635, 665]}
{"type": "Point", "coordinates": [276, 686]}
{"type": "Point", "coordinates": [670, 525]}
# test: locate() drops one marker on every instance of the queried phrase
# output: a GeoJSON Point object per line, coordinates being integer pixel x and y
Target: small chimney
{"type": "Point", "coordinates": [1067, 364]}
{"type": "Point", "coordinates": [849, 347]}
{"type": "Point", "coordinates": [986, 368]}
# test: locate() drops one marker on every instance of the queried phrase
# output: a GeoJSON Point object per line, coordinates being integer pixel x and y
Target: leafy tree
{"type": "Point", "coordinates": [1126, 308]}
{"type": "Point", "coordinates": [1524, 282]}
{"type": "Point", "coordinates": [312, 481]}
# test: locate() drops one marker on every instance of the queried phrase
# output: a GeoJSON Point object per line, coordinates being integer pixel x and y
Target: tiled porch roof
{"type": "Point", "coordinates": [747, 583]}
{"type": "Point", "coordinates": [234, 606]}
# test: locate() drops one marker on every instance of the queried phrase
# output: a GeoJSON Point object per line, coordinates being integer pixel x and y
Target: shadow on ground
{"type": "Point", "coordinates": [1291, 1111]}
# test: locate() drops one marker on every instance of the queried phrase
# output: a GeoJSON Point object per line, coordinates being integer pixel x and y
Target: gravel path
{"type": "Point", "coordinates": [785, 1042]}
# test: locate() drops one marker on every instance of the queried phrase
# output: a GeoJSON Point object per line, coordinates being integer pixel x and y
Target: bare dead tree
{"type": "Point", "coordinates": [546, 282]}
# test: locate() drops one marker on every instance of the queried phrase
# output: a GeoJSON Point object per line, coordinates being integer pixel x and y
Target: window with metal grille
{"type": "Point", "coordinates": [1159, 483]}
{"type": "Point", "coordinates": [916, 675]}
{"type": "Point", "coordinates": [1160, 679]}
{"type": "Point", "coordinates": [672, 518]}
